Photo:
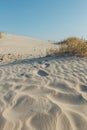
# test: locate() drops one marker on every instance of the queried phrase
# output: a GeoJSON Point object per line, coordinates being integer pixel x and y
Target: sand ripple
{"type": "Point", "coordinates": [46, 94]}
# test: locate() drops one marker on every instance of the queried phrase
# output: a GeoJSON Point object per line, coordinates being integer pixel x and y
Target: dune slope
{"type": "Point", "coordinates": [19, 45]}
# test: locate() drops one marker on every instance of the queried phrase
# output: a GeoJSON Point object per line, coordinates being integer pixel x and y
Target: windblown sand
{"type": "Point", "coordinates": [47, 93]}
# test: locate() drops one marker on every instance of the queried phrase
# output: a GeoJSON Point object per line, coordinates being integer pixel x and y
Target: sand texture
{"type": "Point", "coordinates": [44, 94]}
{"type": "Point", "coordinates": [12, 44]}
{"type": "Point", "coordinates": [48, 93]}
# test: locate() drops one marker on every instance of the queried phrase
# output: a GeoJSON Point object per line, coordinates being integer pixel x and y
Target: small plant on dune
{"type": "Point", "coordinates": [0, 35]}
{"type": "Point", "coordinates": [71, 46]}
{"type": "Point", "coordinates": [74, 46]}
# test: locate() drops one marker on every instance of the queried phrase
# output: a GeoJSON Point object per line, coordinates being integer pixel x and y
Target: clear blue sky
{"type": "Point", "coordinates": [44, 19]}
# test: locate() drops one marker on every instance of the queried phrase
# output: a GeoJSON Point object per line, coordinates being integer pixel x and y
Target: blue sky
{"type": "Point", "coordinates": [44, 19]}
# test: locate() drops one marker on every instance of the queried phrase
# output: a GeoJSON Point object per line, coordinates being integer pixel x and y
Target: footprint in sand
{"type": "Point", "coordinates": [24, 75]}
{"type": "Point", "coordinates": [46, 65]}
{"type": "Point", "coordinates": [42, 73]}
{"type": "Point", "coordinates": [83, 88]}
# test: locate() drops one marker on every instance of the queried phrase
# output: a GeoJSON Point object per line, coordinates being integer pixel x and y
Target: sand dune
{"type": "Point", "coordinates": [47, 93]}
{"type": "Point", "coordinates": [23, 45]}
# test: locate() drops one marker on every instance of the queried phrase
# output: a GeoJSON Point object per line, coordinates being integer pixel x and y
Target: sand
{"type": "Point", "coordinates": [23, 45]}
{"type": "Point", "coordinates": [48, 93]}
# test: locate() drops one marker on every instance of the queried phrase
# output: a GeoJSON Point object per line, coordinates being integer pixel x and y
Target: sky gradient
{"type": "Point", "coordinates": [44, 19]}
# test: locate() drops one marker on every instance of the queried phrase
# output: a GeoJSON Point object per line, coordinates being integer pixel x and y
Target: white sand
{"type": "Point", "coordinates": [43, 93]}
{"type": "Point", "coordinates": [23, 45]}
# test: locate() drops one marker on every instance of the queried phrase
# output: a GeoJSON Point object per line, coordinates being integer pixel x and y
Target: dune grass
{"type": "Point", "coordinates": [0, 35]}
{"type": "Point", "coordinates": [74, 46]}
{"type": "Point", "coordinates": [71, 46]}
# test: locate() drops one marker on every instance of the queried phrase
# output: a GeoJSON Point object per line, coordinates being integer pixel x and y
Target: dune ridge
{"type": "Point", "coordinates": [19, 45]}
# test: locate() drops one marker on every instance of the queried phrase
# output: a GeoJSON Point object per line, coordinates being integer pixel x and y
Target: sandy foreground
{"type": "Point", "coordinates": [48, 93]}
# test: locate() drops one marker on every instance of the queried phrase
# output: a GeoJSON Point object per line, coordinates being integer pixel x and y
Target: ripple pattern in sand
{"type": "Point", "coordinates": [45, 95]}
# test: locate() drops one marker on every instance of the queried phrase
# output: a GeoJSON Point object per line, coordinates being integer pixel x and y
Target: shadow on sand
{"type": "Point", "coordinates": [40, 60]}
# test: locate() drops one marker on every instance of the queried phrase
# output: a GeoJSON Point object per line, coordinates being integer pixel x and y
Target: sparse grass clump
{"type": "Point", "coordinates": [72, 46]}
{"type": "Point", "coordinates": [0, 35]}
